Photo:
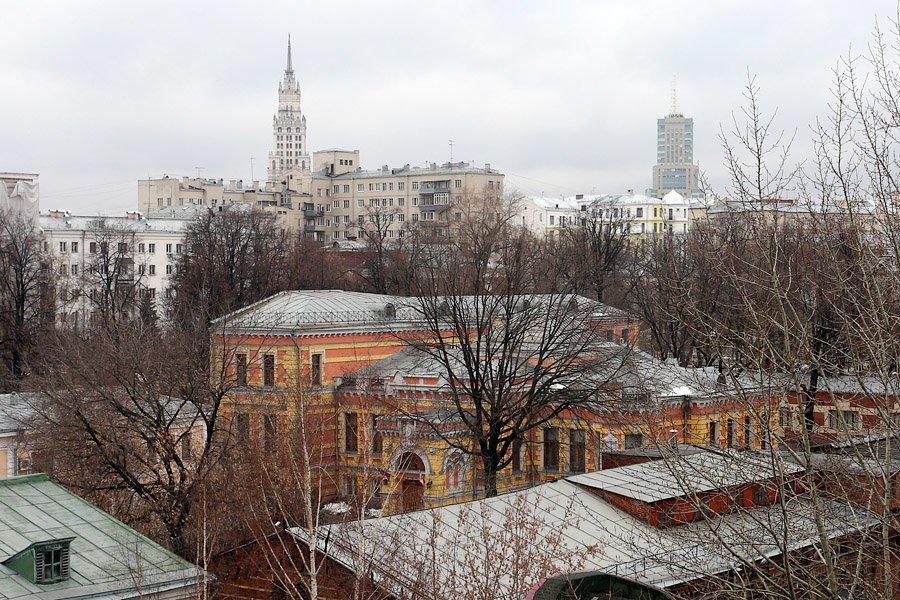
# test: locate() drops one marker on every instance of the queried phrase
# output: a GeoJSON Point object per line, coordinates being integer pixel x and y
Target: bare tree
{"type": "Point", "coordinates": [512, 359]}
{"type": "Point", "coordinates": [110, 282]}
{"type": "Point", "coordinates": [25, 292]}
{"type": "Point", "coordinates": [129, 419]}
{"type": "Point", "coordinates": [231, 259]}
{"type": "Point", "coordinates": [590, 253]}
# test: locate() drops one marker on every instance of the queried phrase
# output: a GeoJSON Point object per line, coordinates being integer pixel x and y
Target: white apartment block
{"type": "Point", "coordinates": [638, 214]}
{"type": "Point", "coordinates": [142, 252]}
{"type": "Point", "coordinates": [545, 217]}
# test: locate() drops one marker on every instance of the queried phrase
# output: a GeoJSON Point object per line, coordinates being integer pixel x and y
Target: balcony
{"type": "Point", "coordinates": [432, 187]}
{"type": "Point", "coordinates": [312, 213]}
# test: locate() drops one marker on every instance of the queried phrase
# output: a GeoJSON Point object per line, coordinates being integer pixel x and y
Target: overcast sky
{"type": "Point", "coordinates": [562, 97]}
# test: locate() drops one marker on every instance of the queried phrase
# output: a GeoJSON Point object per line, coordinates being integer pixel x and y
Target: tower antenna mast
{"type": "Point", "coordinates": [674, 95]}
{"type": "Point", "coordinates": [451, 150]}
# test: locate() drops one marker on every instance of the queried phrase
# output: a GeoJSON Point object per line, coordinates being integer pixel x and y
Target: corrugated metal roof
{"type": "Point", "coordinates": [108, 559]}
{"type": "Point", "coordinates": [690, 474]}
{"type": "Point", "coordinates": [292, 310]}
{"type": "Point", "coordinates": [563, 523]}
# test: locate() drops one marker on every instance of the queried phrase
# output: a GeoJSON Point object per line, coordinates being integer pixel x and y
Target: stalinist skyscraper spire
{"type": "Point", "coordinates": [288, 128]}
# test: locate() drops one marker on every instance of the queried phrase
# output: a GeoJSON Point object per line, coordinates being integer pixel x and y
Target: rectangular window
{"type": "Point", "coordinates": [122, 247]}
{"type": "Point", "coordinates": [551, 449]}
{"type": "Point", "coordinates": [640, 212]}
{"type": "Point", "coordinates": [142, 248]}
{"type": "Point", "coordinates": [748, 431]}
{"type": "Point", "coordinates": [151, 248]}
{"type": "Point", "coordinates": [168, 248]}
{"type": "Point", "coordinates": [178, 248]}
{"type": "Point", "coordinates": [516, 456]}
{"type": "Point", "coordinates": [152, 269]}
{"type": "Point", "coordinates": [168, 269]}
{"type": "Point", "coordinates": [731, 432]}
{"type": "Point", "coordinates": [315, 369]}
{"type": "Point", "coordinates": [346, 191]}
{"type": "Point", "coordinates": [346, 204]}
{"type": "Point", "coordinates": [634, 440]}
{"type": "Point", "coordinates": [51, 564]}
{"type": "Point", "coordinates": [843, 419]}
{"type": "Point", "coordinates": [401, 185]}
{"type": "Point", "coordinates": [576, 451]}
{"type": "Point", "coordinates": [186, 451]}
{"type": "Point", "coordinates": [242, 428]}
{"type": "Point", "coordinates": [268, 370]}
{"type": "Point", "coordinates": [74, 247]}
{"type": "Point", "coordinates": [713, 433]}
{"type": "Point", "coordinates": [415, 185]}
{"type": "Point", "coordinates": [457, 184]}
{"type": "Point", "coordinates": [62, 246]}
{"type": "Point", "coordinates": [359, 187]}
{"type": "Point", "coordinates": [270, 433]}
{"type": "Point", "coordinates": [240, 369]}
{"type": "Point", "coordinates": [377, 441]}
{"type": "Point", "coordinates": [141, 269]}
{"type": "Point", "coordinates": [351, 432]}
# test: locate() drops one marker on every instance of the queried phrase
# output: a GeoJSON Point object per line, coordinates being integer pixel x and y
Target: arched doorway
{"type": "Point", "coordinates": [412, 485]}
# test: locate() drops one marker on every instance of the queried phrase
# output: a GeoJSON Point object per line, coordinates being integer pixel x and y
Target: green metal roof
{"type": "Point", "coordinates": [108, 559]}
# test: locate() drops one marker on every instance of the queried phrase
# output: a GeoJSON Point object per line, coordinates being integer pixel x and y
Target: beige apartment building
{"type": "Point", "coordinates": [330, 198]}
{"type": "Point", "coordinates": [347, 202]}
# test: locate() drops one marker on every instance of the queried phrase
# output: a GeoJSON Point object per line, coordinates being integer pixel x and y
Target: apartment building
{"type": "Point", "coordinates": [638, 214]}
{"type": "Point", "coordinates": [132, 255]}
{"type": "Point", "coordinates": [330, 197]}
{"type": "Point", "coordinates": [350, 203]}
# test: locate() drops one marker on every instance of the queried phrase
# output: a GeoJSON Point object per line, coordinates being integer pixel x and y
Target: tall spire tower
{"type": "Point", "coordinates": [675, 168]}
{"type": "Point", "coordinates": [288, 128]}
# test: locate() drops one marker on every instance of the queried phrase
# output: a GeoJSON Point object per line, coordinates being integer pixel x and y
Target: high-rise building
{"type": "Point", "coordinates": [288, 128]}
{"type": "Point", "coordinates": [675, 168]}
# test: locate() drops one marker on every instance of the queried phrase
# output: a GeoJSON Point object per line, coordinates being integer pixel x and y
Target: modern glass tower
{"type": "Point", "coordinates": [675, 168]}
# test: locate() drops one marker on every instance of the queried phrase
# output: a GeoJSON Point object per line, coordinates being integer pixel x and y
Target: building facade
{"type": "Point", "coordinates": [675, 168]}
{"type": "Point", "coordinates": [636, 214]}
{"type": "Point", "coordinates": [288, 128]}
{"type": "Point", "coordinates": [330, 198]}
{"type": "Point", "coordinates": [104, 261]}
{"type": "Point", "coordinates": [384, 414]}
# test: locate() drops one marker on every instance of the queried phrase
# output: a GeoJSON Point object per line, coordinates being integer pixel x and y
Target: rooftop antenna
{"type": "Point", "coordinates": [451, 150]}
{"type": "Point", "coordinates": [674, 96]}
{"type": "Point", "coordinates": [199, 169]}
{"type": "Point", "coordinates": [251, 168]}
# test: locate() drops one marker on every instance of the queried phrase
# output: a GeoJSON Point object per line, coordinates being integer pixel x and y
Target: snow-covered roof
{"type": "Point", "coordinates": [562, 204]}
{"type": "Point", "coordinates": [103, 223]}
{"type": "Point", "coordinates": [564, 524]}
{"type": "Point", "coordinates": [691, 474]}
{"type": "Point", "coordinates": [292, 310]}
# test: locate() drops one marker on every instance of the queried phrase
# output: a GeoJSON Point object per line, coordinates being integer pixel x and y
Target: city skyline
{"type": "Point", "coordinates": [561, 101]}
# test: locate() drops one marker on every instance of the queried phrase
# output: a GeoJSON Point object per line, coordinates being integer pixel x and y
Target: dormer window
{"type": "Point", "coordinates": [51, 563]}
{"type": "Point", "coordinates": [43, 562]}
